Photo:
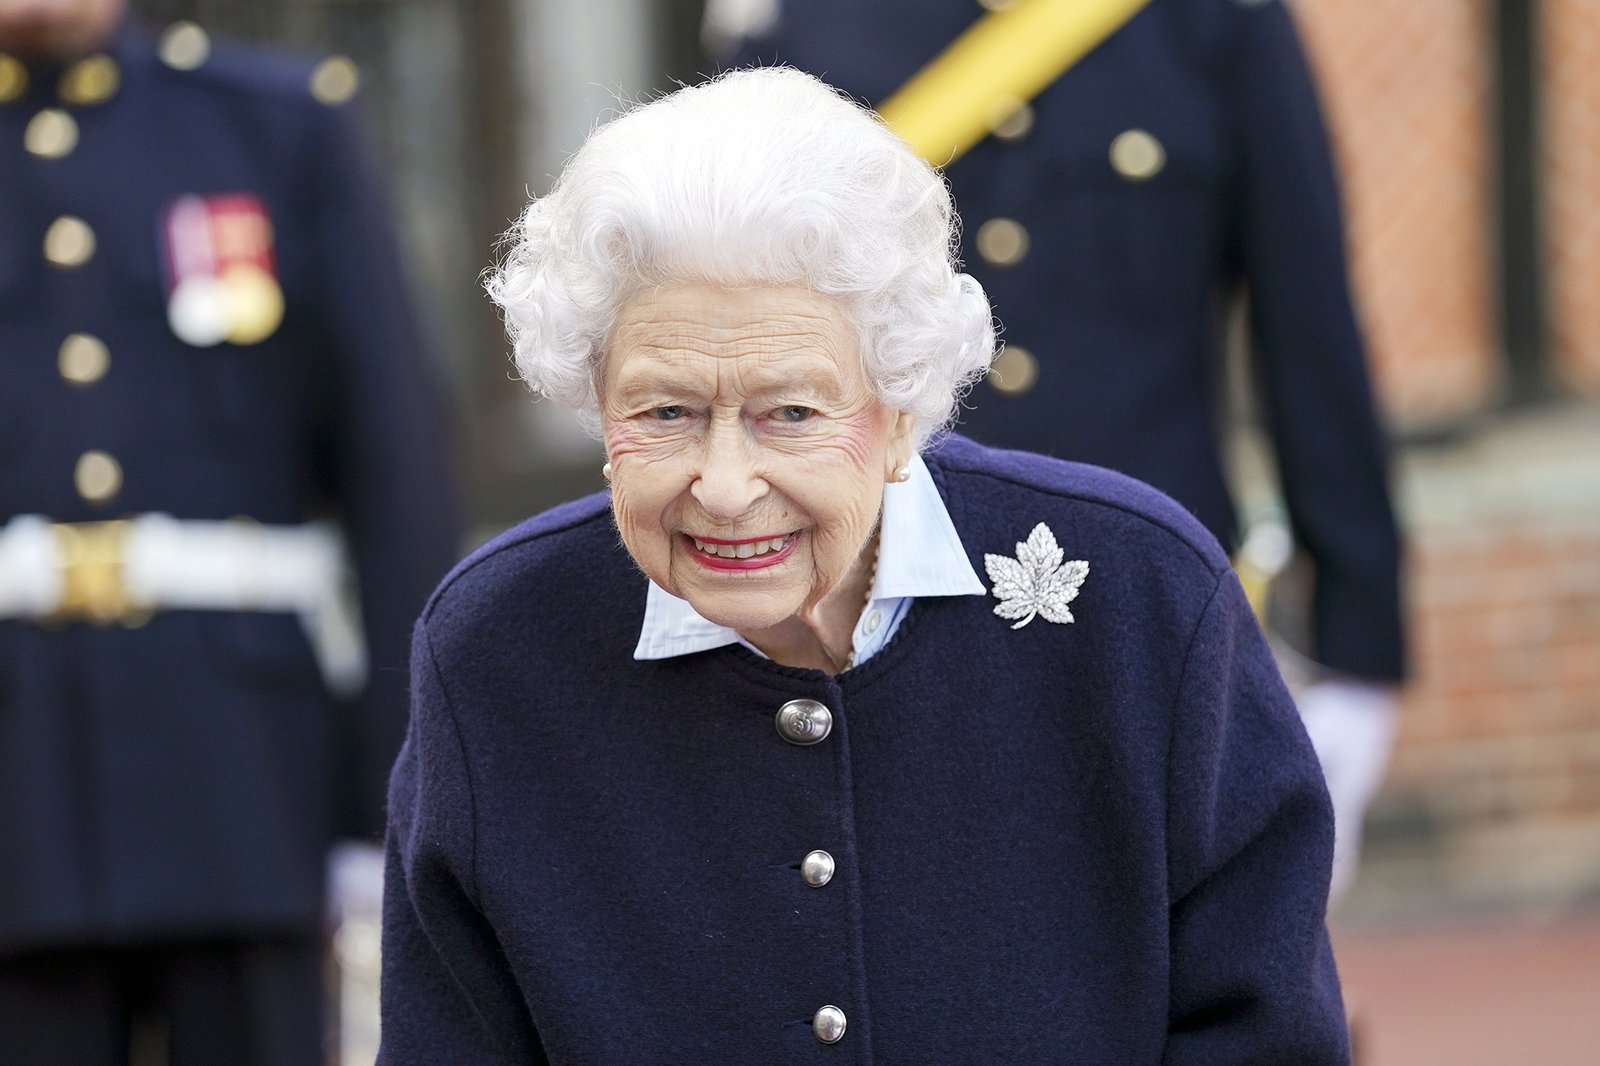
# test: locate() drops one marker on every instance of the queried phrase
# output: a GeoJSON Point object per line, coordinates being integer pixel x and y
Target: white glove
{"type": "Point", "coordinates": [1352, 725]}
{"type": "Point", "coordinates": [355, 908]}
{"type": "Point", "coordinates": [355, 883]}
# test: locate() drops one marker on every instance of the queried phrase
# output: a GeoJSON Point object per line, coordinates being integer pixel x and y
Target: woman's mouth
{"type": "Point", "coordinates": [752, 554]}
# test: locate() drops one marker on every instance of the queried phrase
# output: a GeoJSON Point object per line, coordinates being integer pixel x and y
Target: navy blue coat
{"type": "Point", "coordinates": [1122, 290]}
{"type": "Point", "coordinates": [184, 777]}
{"type": "Point", "coordinates": [1103, 842]}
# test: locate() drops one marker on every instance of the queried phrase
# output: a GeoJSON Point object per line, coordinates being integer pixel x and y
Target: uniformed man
{"type": "Point", "coordinates": [1178, 161]}
{"type": "Point", "coordinates": [209, 367]}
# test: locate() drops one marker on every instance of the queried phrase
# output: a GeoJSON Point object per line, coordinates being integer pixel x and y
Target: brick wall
{"type": "Point", "coordinates": [1570, 42]}
{"type": "Point", "coordinates": [1405, 88]}
{"type": "Point", "coordinates": [1494, 795]}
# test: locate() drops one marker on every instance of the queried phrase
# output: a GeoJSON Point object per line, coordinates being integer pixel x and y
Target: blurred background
{"type": "Point", "coordinates": [1469, 136]}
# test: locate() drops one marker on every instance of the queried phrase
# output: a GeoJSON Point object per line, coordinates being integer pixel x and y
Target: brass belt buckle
{"type": "Point", "coordinates": [91, 559]}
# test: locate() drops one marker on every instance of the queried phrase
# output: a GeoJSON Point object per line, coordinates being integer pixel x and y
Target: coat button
{"type": "Point", "coordinates": [1010, 118]}
{"type": "Point", "coordinates": [83, 359]}
{"type": "Point", "coordinates": [335, 80]}
{"type": "Point", "coordinates": [1137, 155]}
{"type": "Point", "coordinates": [816, 869]}
{"type": "Point", "coordinates": [1002, 242]}
{"type": "Point", "coordinates": [828, 1024]}
{"type": "Point", "coordinates": [184, 46]}
{"type": "Point", "coordinates": [98, 477]}
{"type": "Point", "coordinates": [69, 242]}
{"type": "Point", "coordinates": [1014, 371]}
{"type": "Point", "coordinates": [804, 722]}
{"type": "Point", "coordinates": [91, 81]}
{"type": "Point", "coordinates": [51, 134]}
{"type": "Point", "coordinates": [13, 78]}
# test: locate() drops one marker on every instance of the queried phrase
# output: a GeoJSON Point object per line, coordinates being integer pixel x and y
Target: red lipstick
{"type": "Point", "coordinates": [755, 562]}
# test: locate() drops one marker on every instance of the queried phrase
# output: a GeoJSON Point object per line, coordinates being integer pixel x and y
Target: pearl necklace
{"type": "Point", "coordinates": [872, 579]}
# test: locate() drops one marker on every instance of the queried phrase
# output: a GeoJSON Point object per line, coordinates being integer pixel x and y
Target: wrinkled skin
{"type": "Point", "coordinates": [746, 413]}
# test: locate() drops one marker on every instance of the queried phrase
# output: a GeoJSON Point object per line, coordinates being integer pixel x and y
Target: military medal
{"type": "Point", "coordinates": [222, 282]}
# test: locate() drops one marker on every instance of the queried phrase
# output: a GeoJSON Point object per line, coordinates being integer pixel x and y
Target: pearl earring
{"type": "Point", "coordinates": [903, 474]}
{"type": "Point", "coordinates": [605, 471]}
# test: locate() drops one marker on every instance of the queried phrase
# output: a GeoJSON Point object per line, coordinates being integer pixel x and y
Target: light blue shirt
{"type": "Point", "coordinates": [919, 554]}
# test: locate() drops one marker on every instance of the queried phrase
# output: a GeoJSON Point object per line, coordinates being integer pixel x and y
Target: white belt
{"type": "Point", "coordinates": [110, 571]}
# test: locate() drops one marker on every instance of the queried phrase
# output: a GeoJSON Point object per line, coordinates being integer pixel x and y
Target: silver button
{"type": "Point", "coordinates": [816, 869]}
{"type": "Point", "coordinates": [1137, 155]}
{"type": "Point", "coordinates": [1014, 371]}
{"type": "Point", "coordinates": [804, 722]}
{"type": "Point", "coordinates": [83, 359]}
{"type": "Point", "coordinates": [1002, 242]}
{"type": "Point", "coordinates": [98, 476]}
{"type": "Point", "coordinates": [828, 1024]}
{"type": "Point", "coordinates": [69, 242]}
{"type": "Point", "coordinates": [184, 46]}
{"type": "Point", "coordinates": [871, 623]}
{"type": "Point", "coordinates": [1010, 118]}
{"type": "Point", "coordinates": [335, 80]}
{"type": "Point", "coordinates": [51, 134]}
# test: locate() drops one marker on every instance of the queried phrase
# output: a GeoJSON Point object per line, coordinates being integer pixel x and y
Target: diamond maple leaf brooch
{"type": "Point", "coordinates": [1036, 582]}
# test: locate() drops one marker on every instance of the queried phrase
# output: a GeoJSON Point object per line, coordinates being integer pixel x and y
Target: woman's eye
{"type": "Point", "coordinates": [794, 413]}
{"type": "Point", "coordinates": [670, 413]}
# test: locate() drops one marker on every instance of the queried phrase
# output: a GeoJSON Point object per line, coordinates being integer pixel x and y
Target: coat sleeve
{"type": "Point", "coordinates": [384, 455]}
{"type": "Point", "coordinates": [1249, 845]}
{"type": "Point", "coordinates": [1309, 353]}
{"type": "Point", "coordinates": [448, 994]}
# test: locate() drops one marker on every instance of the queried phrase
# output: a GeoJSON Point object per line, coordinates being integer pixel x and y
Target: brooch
{"type": "Point", "coordinates": [1036, 582]}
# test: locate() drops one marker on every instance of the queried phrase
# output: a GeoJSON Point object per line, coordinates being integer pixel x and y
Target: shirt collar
{"type": "Point", "coordinates": [919, 554]}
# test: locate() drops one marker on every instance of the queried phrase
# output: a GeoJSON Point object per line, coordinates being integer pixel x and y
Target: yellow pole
{"type": "Point", "coordinates": [1003, 60]}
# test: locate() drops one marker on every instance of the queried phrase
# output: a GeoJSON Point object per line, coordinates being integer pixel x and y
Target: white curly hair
{"type": "Point", "coordinates": [758, 177]}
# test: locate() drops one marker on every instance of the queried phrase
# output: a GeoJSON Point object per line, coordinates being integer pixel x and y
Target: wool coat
{"type": "Point", "coordinates": [1097, 841]}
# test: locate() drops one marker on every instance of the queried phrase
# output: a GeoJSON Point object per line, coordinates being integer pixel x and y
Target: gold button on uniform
{"type": "Point", "coordinates": [1014, 371]}
{"type": "Point", "coordinates": [184, 46]}
{"type": "Point", "coordinates": [83, 359]}
{"type": "Point", "coordinates": [1002, 242]}
{"type": "Point", "coordinates": [69, 242]}
{"type": "Point", "coordinates": [98, 477]}
{"type": "Point", "coordinates": [91, 81]}
{"type": "Point", "coordinates": [335, 80]}
{"type": "Point", "coordinates": [51, 134]}
{"type": "Point", "coordinates": [1010, 119]}
{"type": "Point", "coordinates": [1137, 155]}
{"type": "Point", "coordinates": [13, 78]}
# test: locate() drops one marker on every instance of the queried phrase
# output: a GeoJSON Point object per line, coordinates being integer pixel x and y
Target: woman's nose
{"type": "Point", "coordinates": [728, 484]}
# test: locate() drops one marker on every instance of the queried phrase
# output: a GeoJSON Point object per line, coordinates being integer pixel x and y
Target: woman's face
{"type": "Point", "coordinates": [748, 450]}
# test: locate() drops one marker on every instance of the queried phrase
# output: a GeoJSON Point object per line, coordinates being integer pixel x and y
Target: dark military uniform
{"type": "Point", "coordinates": [1183, 157]}
{"type": "Point", "coordinates": [174, 777]}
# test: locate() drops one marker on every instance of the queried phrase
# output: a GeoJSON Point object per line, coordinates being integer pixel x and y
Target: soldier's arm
{"type": "Point", "coordinates": [1310, 357]}
{"type": "Point", "coordinates": [388, 449]}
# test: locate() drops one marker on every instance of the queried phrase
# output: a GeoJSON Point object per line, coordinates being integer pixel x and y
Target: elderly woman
{"type": "Point", "coordinates": [775, 775]}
